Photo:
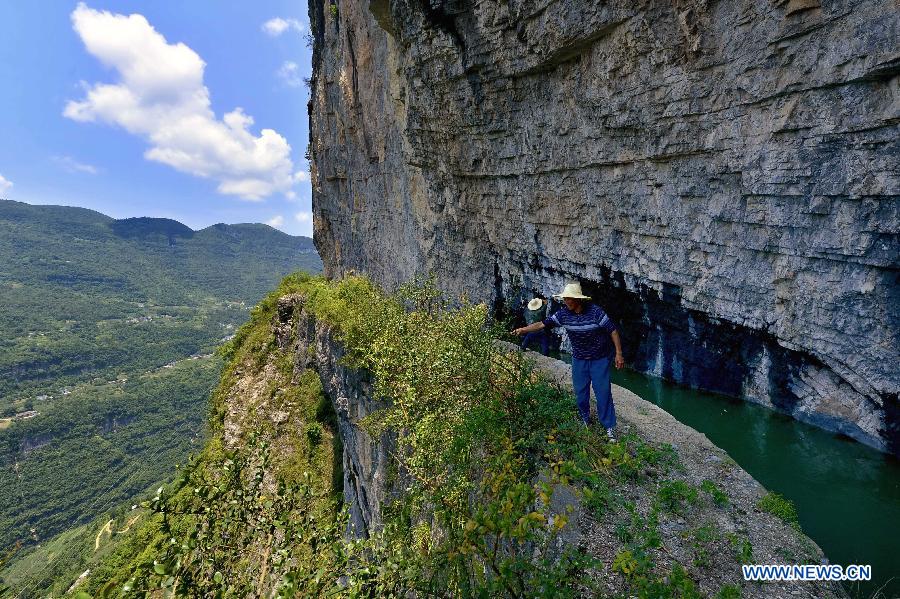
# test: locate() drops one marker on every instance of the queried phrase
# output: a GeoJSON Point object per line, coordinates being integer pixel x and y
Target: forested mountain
{"type": "Point", "coordinates": [107, 334]}
{"type": "Point", "coordinates": [88, 296]}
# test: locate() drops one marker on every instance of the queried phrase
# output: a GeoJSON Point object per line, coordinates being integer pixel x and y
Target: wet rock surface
{"type": "Point", "coordinates": [723, 177]}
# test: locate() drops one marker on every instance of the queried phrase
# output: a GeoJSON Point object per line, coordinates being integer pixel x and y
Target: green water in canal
{"type": "Point", "coordinates": [847, 495]}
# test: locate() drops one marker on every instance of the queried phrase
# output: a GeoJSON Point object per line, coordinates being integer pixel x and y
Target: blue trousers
{"type": "Point", "coordinates": [541, 336]}
{"type": "Point", "coordinates": [585, 372]}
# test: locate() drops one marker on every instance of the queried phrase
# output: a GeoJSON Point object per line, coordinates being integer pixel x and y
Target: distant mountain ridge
{"type": "Point", "coordinates": [70, 268]}
{"type": "Point", "coordinates": [136, 226]}
{"type": "Point", "coordinates": [145, 226]}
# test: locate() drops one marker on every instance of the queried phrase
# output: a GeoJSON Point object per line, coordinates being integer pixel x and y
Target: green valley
{"type": "Point", "coordinates": [108, 330]}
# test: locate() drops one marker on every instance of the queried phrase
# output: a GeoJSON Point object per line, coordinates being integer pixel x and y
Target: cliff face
{"type": "Point", "coordinates": [364, 461]}
{"type": "Point", "coordinates": [723, 177]}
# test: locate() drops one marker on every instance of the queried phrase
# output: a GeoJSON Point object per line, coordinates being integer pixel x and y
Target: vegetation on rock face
{"type": "Point", "coordinates": [483, 446]}
{"type": "Point", "coordinates": [781, 508]}
{"type": "Point", "coordinates": [247, 512]}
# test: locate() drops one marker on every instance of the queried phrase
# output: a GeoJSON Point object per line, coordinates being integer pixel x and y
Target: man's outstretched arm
{"type": "Point", "coordinates": [537, 326]}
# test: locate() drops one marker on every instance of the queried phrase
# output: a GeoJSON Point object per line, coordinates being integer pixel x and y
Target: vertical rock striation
{"type": "Point", "coordinates": [723, 176]}
{"type": "Point", "coordinates": [365, 460]}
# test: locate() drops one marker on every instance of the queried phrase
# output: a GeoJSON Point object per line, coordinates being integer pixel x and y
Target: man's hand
{"type": "Point", "coordinates": [617, 341]}
{"type": "Point", "coordinates": [529, 329]}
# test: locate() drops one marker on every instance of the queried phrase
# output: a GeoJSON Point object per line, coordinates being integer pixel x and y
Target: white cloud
{"type": "Point", "coordinates": [306, 220]}
{"type": "Point", "coordinates": [301, 176]}
{"type": "Point", "coordinates": [73, 166]}
{"type": "Point", "coordinates": [5, 184]}
{"type": "Point", "coordinates": [277, 26]}
{"type": "Point", "coordinates": [275, 221]}
{"type": "Point", "coordinates": [290, 74]}
{"type": "Point", "coordinates": [161, 98]}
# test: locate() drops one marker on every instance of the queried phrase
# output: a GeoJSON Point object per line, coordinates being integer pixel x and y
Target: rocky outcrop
{"type": "Point", "coordinates": [723, 177]}
{"type": "Point", "coordinates": [365, 459]}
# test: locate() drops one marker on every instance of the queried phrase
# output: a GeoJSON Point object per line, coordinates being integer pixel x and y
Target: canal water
{"type": "Point", "coordinates": [847, 495]}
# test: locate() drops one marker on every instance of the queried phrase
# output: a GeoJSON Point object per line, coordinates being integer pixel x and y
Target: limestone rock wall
{"type": "Point", "coordinates": [365, 459]}
{"type": "Point", "coordinates": [723, 176]}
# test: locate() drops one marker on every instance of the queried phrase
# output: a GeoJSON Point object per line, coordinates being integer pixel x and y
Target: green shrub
{"type": "Point", "coordinates": [313, 433]}
{"type": "Point", "coordinates": [702, 538]}
{"type": "Point", "coordinates": [673, 495]}
{"type": "Point", "coordinates": [719, 497]}
{"type": "Point", "coordinates": [743, 549]}
{"type": "Point", "coordinates": [781, 508]}
{"type": "Point", "coordinates": [729, 591]}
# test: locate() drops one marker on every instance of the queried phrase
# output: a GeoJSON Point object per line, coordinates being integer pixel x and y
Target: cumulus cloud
{"type": "Point", "coordinates": [161, 97]}
{"type": "Point", "coordinates": [290, 74]}
{"type": "Point", "coordinates": [275, 221]}
{"type": "Point", "coordinates": [306, 221]}
{"type": "Point", "coordinates": [278, 25]}
{"type": "Point", "coordinates": [5, 184]}
{"type": "Point", "coordinates": [73, 166]}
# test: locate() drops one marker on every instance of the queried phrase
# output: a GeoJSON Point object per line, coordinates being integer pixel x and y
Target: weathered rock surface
{"type": "Point", "coordinates": [723, 176]}
{"type": "Point", "coordinates": [365, 460]}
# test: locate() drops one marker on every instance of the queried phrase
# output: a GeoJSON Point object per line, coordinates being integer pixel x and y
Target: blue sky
{"type": "Point", "coordinates": [189, 110]}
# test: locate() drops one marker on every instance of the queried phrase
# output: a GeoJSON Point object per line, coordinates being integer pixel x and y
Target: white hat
{"type": "Point", "coordinates": [572, 290]}
{"type": "Point", "coordinates": [535, 304]}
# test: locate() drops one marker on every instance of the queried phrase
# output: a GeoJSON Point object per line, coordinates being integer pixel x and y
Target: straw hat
{"type": "Point", "coordinates": [572, 290]}
{"type": "Point", "coordinates": [535, 304]}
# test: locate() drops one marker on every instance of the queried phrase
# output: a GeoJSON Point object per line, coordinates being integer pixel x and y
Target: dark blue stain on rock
{"type": "Point", "coordinates": [891, 430]}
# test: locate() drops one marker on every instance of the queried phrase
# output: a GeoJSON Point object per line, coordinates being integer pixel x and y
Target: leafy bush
{"type": "Point", "coordinates": [729, 591]}
{"type": "Point", "coordinates": [673, 495]}
{"type": "Point", "coordinates": [719, 497]}
{"type": "Point", "coordinates": [781, 508]}
{"type": "Point", "coordinates": [231, 521]}
{"type": "Point", "coordinates": [743, 549]}
{"type": "Point", "coordinates": [314, 433]}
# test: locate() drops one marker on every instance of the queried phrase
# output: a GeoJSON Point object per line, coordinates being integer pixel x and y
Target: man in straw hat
{"type": "Point", "coordinates": [536, 311]}
{"type": "Point", "coordinates": [595, 343]}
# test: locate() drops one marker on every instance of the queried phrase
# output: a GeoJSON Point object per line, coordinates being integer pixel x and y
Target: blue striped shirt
{"type": "Point", "coordinates": [589, 331]}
